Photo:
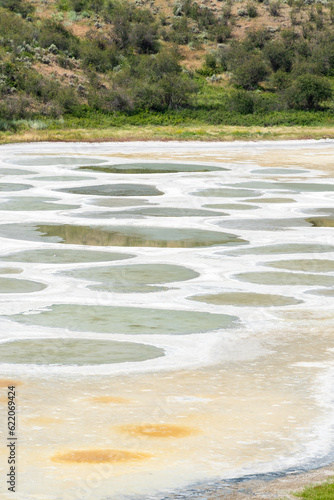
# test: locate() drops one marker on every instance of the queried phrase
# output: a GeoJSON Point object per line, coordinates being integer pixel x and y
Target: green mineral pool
{"type": "Point", "coordinates": [321, 221]}
{"type": "Point", "coordinates": [288, 186]}
{"type": "Point", "coordinates": [154, 212]}
{"type": "Point", "coordinates": [15, 171]}
{"type": "Point", "coordinates": [13, 285]}
{"type": "Point", "coordinates": [306, 265]}
{"type": "Point", "coordinates": [127, 320]}
{"type": "Point", "coordinates": [119, 235]}
{"type": "Point", "coordinates": [226, 193]}
{"type": "Point", "coordinates": [31, 203]}
{"type": "Point", "coordinates": [47, 160]}
{"type": "Point", "coordinates": [231, 206]}
{"type": "Point", "coordinates": [279, 171]}
{"type": "Point", "coordinates": [281, 278]}
{"type": "Point", "coordinates": [246, 299]}
{"type": "Point", "coordinates": [283, 248]}
{"type": "Point", "coordinates": [10, 270]}
{"type": "Point", "coordinates": [115, 190]}
{"type": "Point", "coordinates": [119, 202]}
{"type": "Point", "coordinates": [132, 278]}
{"type": "Point", "coordinates": [63, 178]}
{"type": "Point", "coordinates": [152, 168]}
{"type": "Point", "coordinates": [264, 224]}
{"type": "Point", "coordinates": [63, 256]}
{"type": "Point", "coordinates": [6, 186]}
{"type": "Point", "coordinates": [75, 352]}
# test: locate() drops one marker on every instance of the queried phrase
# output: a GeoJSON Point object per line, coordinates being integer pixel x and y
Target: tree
{"type": "Point", "coordinates": [307, 92]}
{"type": "Point", "coordinates": [278, 55]}
{"type": "Point", "coordinates": [249, 72]}
{"type": "Point", "coordinates": [144, 38]}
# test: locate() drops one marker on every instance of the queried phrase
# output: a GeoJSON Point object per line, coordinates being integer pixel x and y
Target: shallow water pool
{"type": "Point", "coordinates": [125, 320]}
{"type": "Point", "coordinates": [132, 278]}
{"type": "Point", "coordinates": [75, 352]}
{"type": "Point", "coordinates": [119, 235]}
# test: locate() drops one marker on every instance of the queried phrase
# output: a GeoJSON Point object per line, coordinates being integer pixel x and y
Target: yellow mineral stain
{"type": "Point", "coordinates": [159, 430]}
{"type": "Point", "coordinates": [108, 399]}
{"type": "Point", "coordinates": [42, 420]}
{"type": "Point", "coordinates": [9, 383]}
{"type": "Point", "coordinates": [304, 314]}
{"type": "Point", "coordinates": [99, 456]}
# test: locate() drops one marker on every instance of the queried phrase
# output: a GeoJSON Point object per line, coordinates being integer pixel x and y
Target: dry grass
{"type": "Point", "coordinates": [81, 28]}
{"type": "Point", "coordinates": [170, 133]}
{"type": "Point", "coordinates": [193, 59]}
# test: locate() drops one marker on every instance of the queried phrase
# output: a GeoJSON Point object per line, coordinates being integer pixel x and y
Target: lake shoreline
{"type": "Point", "coordinates": [169, 133]}
{"type": "Point", "coordinates": [280, 486]}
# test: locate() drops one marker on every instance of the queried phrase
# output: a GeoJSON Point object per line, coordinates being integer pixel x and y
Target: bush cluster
{"type": "Point", "coordinates": [294, 66]}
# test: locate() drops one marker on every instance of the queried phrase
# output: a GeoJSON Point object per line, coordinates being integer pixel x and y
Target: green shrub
{"type": "Point", "coordinates": [257, 39]}
{"type": "Point", "coordinates": [78, 5]}
{"type": "Point", "coordinates": [278, 55]}
{"type": "Point", "coordinates": [53, 32]}
{"type": "Point", "coordinates": [176, 91]}
{"type": "Point", "coordinates": [242, 12]}
{"type": "Point", "coordinates": [5, 125]}
{"type": "Point", "coordinates": [275, 8]}
{"type": "Point", "coordinates": [210, 61]}
{"type": "Point", "coordinates": [249, 73]}
{"type": "Point", "coordinates": [280, 80]}
{"type": "Point", "coordinates": [142, 15]}
{"type": "Point", "coordinates": [155, 67]}
{"type": "Point", "coordinates": [303, 49]}
{"type": "Point", "coordinates": [204, 16]}
{"type": "Point", "coordinates": [36, 85]}
{"type": "Point", "coordinates": [293, 17]}
{"type": "Point", "coordinates": [290, 38]}
{"type": "Point", "coordinates": [14, 29]}
{"type": "Point", "coordinates": [222, 33]}
{"type": "Point", "coordinates": [251, 10]}
{"type": "Point", "coordinates": [63, 5]}
{"type": "Point", "coordinates": [241, 102]}
{"type": "Point", "coordinates": [18, 6]}
{"type": "Point", "coordinates": [180, 32]}
{"type": "Point", "coordinates": [111, 100]}
{"type": "Point", "coordinates": [98, 55]}
{"type": "Point", "coordinates": [15, 107]}
{"type": "Point", "coordinates": [307, 92]}
{"type": "Point", "coordinates": [304, 68]}
{"type": "Point", "coordinates": [65, 62]}
{"type": "Point", "coordinates": [67, 99]}
{"type": "Point", "coordinates": [226, 12]}
{"type": "Point", "coordinates": [96, 6]}
{"type": "Point", "coordinates": [331, 12]}
{"type": "Point", "coordinates": [307, 30]}
{"type": "Point", "coordinates": [144, 38]}
{"type": "Point", "coordinates": [323, 55]}
{"type": "Point", "coordinates": [9, 73]}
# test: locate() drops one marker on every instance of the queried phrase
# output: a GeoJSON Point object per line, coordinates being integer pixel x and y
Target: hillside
{"type": "Point", "coordinates": [102, 63]}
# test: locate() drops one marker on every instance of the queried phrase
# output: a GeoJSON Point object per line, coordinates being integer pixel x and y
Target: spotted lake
{"type": "Point", "coordinates": [166, 315]}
